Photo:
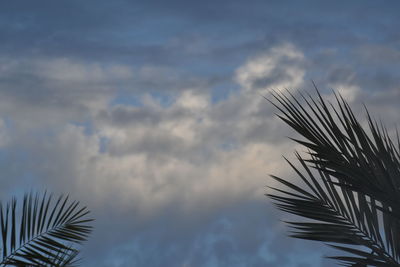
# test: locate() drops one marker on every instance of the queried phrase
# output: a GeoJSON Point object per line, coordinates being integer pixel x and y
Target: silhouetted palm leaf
{"type": "Point", "coordinates": [351, 181]}
{"type": "Point", "coordinates": [43, 231]}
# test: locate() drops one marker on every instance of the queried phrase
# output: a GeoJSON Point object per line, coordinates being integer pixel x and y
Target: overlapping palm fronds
{"type": "Point", "coordinates": [351, 193]}
{"type": "Point", "coordinates": [42, 231]}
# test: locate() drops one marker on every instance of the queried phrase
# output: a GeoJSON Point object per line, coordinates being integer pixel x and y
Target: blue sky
{"type": "Point", "coordinates": [150, 113]}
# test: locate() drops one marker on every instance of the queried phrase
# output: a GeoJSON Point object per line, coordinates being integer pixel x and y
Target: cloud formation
{"type": "Point", "coordinates": [190, 156]}
{"type": "Point", "coordinates": [153, 116]}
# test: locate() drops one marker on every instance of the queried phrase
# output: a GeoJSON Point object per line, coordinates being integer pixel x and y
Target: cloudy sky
{"type": "Point", "coordinates": [151, 114]}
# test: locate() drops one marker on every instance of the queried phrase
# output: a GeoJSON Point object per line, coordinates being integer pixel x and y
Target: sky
{"type": "Point", "coordinates": [151, 114]}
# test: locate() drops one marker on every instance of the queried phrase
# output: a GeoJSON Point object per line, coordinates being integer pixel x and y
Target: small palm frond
{"type": "Point", "coordinates": [42, 232]}
{"type": "Point", "coordinates": [351, 195]}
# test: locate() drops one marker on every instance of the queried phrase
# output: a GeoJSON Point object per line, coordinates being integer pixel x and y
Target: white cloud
{"type": "Point", "coordinates": [278, 68]}
{"type": "Point", "coordinates": [191, 151]}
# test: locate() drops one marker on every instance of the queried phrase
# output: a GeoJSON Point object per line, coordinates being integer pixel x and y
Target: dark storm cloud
{"type": "Point", "coordinates": [160, 33]}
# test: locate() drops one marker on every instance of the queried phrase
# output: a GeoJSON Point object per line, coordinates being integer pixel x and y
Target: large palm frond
{"type": "Point", "coordinates": [42, 231]}
{"type": "Point", "coordinates": [351, 181]}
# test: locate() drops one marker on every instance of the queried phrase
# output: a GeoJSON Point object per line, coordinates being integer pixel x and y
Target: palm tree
{"type": "Point", "coordinates": [348, 192]}
{"type": "Point", "coordinates": [41, 231]}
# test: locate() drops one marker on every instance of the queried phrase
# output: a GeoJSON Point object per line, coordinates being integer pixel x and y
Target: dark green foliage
{"type": "Point", "coordinates": [350, 196]}
{"type": "Point", "coordinates": [42, 231]}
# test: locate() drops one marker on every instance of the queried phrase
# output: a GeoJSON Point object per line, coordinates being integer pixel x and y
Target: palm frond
{"type": "Point", "coordinates": [43, 231]}
{"type": "Point", "coordinates": [351, 181]}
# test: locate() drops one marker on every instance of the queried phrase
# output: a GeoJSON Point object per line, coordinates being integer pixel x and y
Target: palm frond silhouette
{"type": "Point", "coordinates": [42, 231]}
{"type": "Point", "coordinates": [350, 194]}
